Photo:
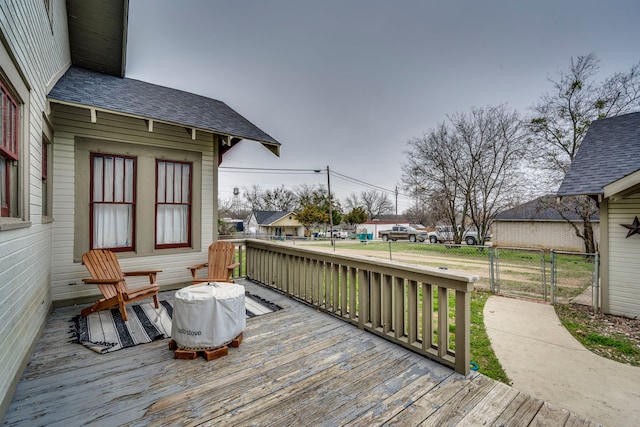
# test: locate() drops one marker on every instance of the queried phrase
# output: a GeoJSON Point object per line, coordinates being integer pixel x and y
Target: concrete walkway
{"type": "Point", "coordinates": [544, 360]}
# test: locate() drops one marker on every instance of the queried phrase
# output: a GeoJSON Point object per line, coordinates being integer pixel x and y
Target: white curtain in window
{"type": "Point", "coordinates": [172, 221]}
{"type": "Point", "coordinates": [172, 224]}
{"type": "Point", "coordinates": [113, 186]}
{"type": "Point", "coordinates": [112, 226]}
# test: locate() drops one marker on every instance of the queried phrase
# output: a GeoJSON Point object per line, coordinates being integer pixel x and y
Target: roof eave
{"type": "Point", "coordinates": [233, 138]}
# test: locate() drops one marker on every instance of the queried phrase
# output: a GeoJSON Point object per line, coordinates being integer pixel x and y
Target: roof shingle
{"type": "Point", "coordinates": [610, 151]}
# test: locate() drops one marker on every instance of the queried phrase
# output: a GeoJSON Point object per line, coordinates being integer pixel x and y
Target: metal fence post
{"type": "Point", "coordinates": [492, 283]}
{"type": "Point", "coordinates": [543, 265]}
{"type": "Point", "coordinates": [553, 277]}
{"type": "Point", "coordinates": [596, 283]}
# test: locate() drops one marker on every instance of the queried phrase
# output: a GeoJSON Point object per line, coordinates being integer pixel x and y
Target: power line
{"type": "Point", "coordinates": [300, 171]}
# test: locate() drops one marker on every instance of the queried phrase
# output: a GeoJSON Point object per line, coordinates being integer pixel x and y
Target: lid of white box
{"type": "Point", "coordinates": [210, 290]}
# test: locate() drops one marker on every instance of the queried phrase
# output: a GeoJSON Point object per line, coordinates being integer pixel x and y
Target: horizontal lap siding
{"type": "Point", "coordinates": [71, 122]}
{"type": "Point", "coordinates": [25, 253]}
{"type": "Point", "coordinates": [539, 234]}
{"type": "Point", "coordinates": [624, 253]}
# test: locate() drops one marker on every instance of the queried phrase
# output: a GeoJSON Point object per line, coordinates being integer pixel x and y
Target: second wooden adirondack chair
{"type": "Point", "coordinates": [220, 266]}
{"type": "Point", "coordinates": [106, 273]}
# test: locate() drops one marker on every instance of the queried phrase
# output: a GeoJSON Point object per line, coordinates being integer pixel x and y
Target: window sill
{"type": "Point", "coordinates": [13, 224]}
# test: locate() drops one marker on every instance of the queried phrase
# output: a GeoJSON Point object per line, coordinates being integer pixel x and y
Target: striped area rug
{"type": "Point", "coordinates": [105, 331]}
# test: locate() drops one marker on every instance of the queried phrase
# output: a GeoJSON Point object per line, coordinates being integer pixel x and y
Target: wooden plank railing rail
{"type": "Point", "coordinates": [415, 307]}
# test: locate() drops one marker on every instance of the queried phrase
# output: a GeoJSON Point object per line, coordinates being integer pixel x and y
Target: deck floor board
{"type": "Point", "coordinates": [297, 366]}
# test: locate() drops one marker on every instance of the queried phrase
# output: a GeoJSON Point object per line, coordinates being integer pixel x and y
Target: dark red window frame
{"type": "Point", "coordinates": [8, 143]}
{"type": "Point", "coordinates": [92, 202]}
{"type": "Point", "coordinates": [188, 203]}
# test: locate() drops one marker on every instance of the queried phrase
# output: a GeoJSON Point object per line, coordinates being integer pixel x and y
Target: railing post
{"type": "Point", "coordinates": [443, 321]}
{"type": "Point", "coordinates": [363, 298]}
{"type": "Point", "coordinates": [553, 277]}
{"type": "Point", "coordinates": [463, 332]}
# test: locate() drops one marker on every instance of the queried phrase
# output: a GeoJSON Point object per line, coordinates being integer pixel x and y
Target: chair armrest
{"type": "Point", "coordinates": [233, 266]}
{"type": "Point", "coordinates": [150, 273]}
{"type": "Point", "coordinates": [101, 281]}
{"type": "Point", "coordinates": [196, 267]}
{"type": "Point", "coordinates": [142, 273]}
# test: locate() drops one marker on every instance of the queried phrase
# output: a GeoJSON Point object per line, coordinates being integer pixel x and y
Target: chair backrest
{"type": "Point", "coordinates": [103, 264]}
{"type": "Point", "coordinates": [221, 254]}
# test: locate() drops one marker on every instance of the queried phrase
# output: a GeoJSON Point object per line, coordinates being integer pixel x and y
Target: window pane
{"type": "Point", "coordinates": [129, 178]}
{"type": "Point", "coordinates": [112, 226]}
{"type": "Point", "coordinates": [186, 173]}
{"type": "Point", "coordinates": [108, 179]}
{"type": "Point", "coordinates": [118, 179]}
{"type": "Point", "coordinates": [172, 224]}
{"type": "Point", "coordinates": [169, 187]}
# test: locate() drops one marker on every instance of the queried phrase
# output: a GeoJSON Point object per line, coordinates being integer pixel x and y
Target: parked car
{"type": "Point", "coordinates": [444, 234]}
{"type": "Point", "coordinates": [339, 234]}
{"type": "Point", "coordinates": [402, 232]}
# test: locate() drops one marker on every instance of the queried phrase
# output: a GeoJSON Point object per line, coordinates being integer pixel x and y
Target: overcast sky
{"type": "Point", "coordinates": [346, 84]}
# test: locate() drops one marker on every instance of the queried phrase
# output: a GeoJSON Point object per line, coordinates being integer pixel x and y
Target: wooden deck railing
{"type": "Point", "coordinates": [423, 309]}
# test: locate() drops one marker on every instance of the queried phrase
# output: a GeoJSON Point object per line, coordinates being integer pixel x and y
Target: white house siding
{"type": "Point", "coordinates": [71, 122]}
{"type": "Point", "coordinates": [624, 254]}
{"type": "Point", "coordinates": [539, 235]}
{"type": "Point", "coordinates": [39, 55]}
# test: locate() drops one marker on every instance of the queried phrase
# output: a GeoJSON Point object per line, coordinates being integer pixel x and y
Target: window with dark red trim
{"type": "Point", "coordinates": [173, 204]}
{"type": "Point", "coordinates": [112, 206]}
{"type": "Point", "coordinates": [45, 178]}
{"type": "Point", "coordinates": [9, 153]}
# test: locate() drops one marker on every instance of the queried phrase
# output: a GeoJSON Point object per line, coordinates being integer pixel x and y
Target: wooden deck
{"type": "Point", "coordinates": [296, 367]}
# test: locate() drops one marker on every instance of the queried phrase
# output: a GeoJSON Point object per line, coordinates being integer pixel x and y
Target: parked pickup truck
{"type": "Point", "coordinates": [402, 232]}
{"type": "Point", "coordinates": [444, 233]}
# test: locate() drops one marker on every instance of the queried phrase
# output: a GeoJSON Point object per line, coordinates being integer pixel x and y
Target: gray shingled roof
{"type": "Point", "coordinates": [128, 96]}
{"type": "Point", "coordinates": [610, 151]}
{"type": "Point", "coordinates": [541, 209]}
{"type": "Point", "coordinates": [269, 217]}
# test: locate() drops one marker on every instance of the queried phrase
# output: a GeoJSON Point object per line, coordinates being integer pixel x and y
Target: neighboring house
{"type": "Point", "coordinates": [537, 224]}
{"type": "Point", "coordinates": [90, 159]}
{"type": "Point", "coordinates": [274, 224]}
{"type": "Point", "coordinates": [607, 168]}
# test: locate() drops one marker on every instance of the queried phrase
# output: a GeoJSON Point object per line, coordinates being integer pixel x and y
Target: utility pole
{"type": "Point", "coordinates": [396, 203]}
{"type": "Point", "coordinates": [330, 210]}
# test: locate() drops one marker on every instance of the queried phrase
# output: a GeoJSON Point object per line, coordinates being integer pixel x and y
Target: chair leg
{"type": "Point", "coordinates": [123, 310]}
{"type": "Point", "coordinates": [155, 300]}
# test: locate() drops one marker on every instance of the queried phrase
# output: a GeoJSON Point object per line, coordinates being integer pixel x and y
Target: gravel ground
{"type": "Point", "coordinates": [605, 325]}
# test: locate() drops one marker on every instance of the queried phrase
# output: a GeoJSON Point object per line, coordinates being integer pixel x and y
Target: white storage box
{"type": "Point", "coordinates": [208, 315]}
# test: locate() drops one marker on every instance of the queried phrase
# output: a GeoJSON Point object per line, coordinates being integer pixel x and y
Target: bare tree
{"type": "Point", "coordinates": [352, 201]}
{"type": "Point", "coordinates": [279, 199]}
{"type": "Point", "coordinates": [469, 166]}
{"type": "Point", "coordinates": [375, 203]}
{"type": "Point", "coordinates": [562, 117]}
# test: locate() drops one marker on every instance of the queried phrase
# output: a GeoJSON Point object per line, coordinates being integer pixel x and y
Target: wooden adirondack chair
{"type": "Point", "coordinates": [220, 265]}
{"type": "Point", "coordinates": [106, 273]}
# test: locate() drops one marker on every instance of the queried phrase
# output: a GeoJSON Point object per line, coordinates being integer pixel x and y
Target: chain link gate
{"type": "Point", "coordinates": [575, 278]}
{"type": "Point", "coordinates": [519, 272]}
{"type": "Point", "coordinates": [571, 276]}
